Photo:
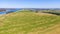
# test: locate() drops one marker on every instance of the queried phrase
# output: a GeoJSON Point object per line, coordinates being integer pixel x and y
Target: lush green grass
{"type": "Point", "coordinates": [25, 22]}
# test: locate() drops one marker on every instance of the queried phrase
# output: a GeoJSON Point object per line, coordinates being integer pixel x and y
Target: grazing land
{"type": "Point", "coordinates": [29, 23]}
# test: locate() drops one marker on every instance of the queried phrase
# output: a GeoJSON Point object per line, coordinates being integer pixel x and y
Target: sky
{"type": "Point", "coordinates": [29, 3]}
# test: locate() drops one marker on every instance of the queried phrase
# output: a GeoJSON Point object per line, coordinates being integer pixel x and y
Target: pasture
{"type": "Point", "coordinates": [29, 23]}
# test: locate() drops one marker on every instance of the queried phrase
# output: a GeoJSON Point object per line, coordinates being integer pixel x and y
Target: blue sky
{"type": "Point", "coordinates": [29, 3]}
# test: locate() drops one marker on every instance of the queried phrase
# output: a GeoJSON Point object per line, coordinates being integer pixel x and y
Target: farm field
{"type": "Point", "coordinates": [29, 23]}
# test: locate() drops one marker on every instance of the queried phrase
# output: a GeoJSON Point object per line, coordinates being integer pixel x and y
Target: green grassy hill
{"type": "Point", "coordinates": [29, 23]}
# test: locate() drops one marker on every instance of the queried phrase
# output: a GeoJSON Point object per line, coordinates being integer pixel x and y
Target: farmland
{"type": "Point", "coordinates": [29, 23]}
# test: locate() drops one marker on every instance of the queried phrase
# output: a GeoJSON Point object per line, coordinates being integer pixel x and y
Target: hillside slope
{"type": "Point", "coordinates": [29, 23]}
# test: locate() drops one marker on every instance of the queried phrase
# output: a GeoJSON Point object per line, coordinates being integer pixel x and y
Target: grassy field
{"type": "Point", "coordinates": [29, 23]}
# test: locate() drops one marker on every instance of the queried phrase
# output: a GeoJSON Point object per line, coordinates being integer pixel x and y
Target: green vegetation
{"type": "Point", "coordinates": [27, 23]}
{"type": "Point", "coordinates": [56, 12]}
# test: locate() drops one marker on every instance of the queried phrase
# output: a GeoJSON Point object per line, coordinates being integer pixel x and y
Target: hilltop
{"type": "Point", "coordinates": [29, 23]}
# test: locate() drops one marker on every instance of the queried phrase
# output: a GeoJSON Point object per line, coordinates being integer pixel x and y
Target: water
{"type": "Point", "coordinates": [8, 11]}
{"type": "Point", "coordinates": [2, 12]}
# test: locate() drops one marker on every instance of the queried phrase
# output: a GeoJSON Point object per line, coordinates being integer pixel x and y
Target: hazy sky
{"type": "Point", "coordinates": [29, 3]}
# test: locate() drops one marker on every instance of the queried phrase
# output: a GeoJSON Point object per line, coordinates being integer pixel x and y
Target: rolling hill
{"type": "Point", "coordinates": [29, 23]}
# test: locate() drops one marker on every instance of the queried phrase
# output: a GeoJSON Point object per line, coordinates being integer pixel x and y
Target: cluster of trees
{"type": "Point", "coordinates": [56, 12]}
